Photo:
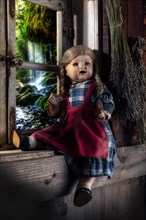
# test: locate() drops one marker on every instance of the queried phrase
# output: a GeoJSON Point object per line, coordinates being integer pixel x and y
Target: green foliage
{"type": "Point", "coordinates": [42, 102]}
{"type": "Point", "coordinates": [21, 33]}
{"type": "Point", "coordinates": [40, 23]}
{"type": "Point", "coordinates": [49, 78]}
{"type": "Point", "coordinates": [27, 88]}
{"type": "Point", "coordinates": [34, 22]}
{"type": "Point", "coordinates": [27, 96]}
{"type": "Point", "coordinates": [22, 75]}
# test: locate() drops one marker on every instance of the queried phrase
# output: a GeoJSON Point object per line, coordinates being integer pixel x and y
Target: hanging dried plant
{"type": "Point", "coordinates": [127, 75]}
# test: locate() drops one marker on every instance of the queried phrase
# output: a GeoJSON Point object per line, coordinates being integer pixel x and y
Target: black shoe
{"type": "Point", "coordinates": [83, 195]}
{"type": "Point", "coordinates": [21, 141]}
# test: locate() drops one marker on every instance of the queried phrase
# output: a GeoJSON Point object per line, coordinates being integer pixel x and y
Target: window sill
{"type": "Point", "coordinates": [45, 175]}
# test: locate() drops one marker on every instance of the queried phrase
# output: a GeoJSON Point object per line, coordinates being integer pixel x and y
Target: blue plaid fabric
{"type": "Point", "coordinates": [77, 93]}
{"type": "Point", "coordinates": [83, 166]}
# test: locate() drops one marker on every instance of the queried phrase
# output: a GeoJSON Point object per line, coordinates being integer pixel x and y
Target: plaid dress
{"type": "Point", "coordinates": [90, 142]}
{"type": "Point", "coordinates": [93, 166]}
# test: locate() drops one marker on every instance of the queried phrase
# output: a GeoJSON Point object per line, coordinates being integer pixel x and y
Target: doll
{"type": "Point", "coordinates": [84, 106]}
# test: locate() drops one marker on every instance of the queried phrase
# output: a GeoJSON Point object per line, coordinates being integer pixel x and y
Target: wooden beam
{"type": "Point", "coordinates": [130, 162]}
{"type": "Point", "coordinates": [38, 66]}
{"type": "Point", "coordinates": [43, 175]}
{"type": "Point", "coordinates": [56, 5]}
{"type": "Point", "coordinates": [3, 94]}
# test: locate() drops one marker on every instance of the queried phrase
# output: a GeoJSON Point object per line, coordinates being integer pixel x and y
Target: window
{"type": "Point", "coordinates": [36, 44]}
{"type": "Point", "coordinates": [10, 74]}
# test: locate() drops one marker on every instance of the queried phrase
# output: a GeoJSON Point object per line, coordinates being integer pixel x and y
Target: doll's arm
{"type": "Point", "coordinates": [107, 101]}
{"type": "Point", "coordinates": [105, 105]}
{"type": "Point", "coordinates": [54, 105]}
{"type": "Point", "coordinates": [101, 114]}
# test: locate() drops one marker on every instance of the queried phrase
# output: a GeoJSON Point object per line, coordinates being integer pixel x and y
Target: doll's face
{"type": "Point", "coordinates": [80, 69]}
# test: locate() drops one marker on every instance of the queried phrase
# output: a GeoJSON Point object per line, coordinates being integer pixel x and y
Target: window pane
{"type": "Point", "coordinates": [35, 42]}
{"type": "Point", "coordinates": [35, 33]}
{"type": "Point", "coordinates": [32, 91]}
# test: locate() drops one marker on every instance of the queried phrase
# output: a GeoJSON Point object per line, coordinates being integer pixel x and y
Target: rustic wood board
{"type": "Point", "coordinates": [36, 185]}
{"type": "Point", "coordinates": [46, 175]}
{"type": "Point", "coordinates": [54, 5]}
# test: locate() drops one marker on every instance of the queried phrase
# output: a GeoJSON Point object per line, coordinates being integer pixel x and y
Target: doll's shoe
{"type": "Point", "coordinates": [83, 195]}
{"type": "Point", "coordinates": [21, 141]}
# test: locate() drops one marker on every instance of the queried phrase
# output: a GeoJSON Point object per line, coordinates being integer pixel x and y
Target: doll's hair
{"type": "Point", "coordinates": [68, 56]}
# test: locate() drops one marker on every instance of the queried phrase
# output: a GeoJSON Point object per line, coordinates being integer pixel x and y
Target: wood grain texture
{"type": "Point", "coordinates": [2, 74]}
{"type": "Point", "coordinates": [36, 185]}
{"type": "Point", "coordinates": [46, 175]}
{"type": "Point", "coordinates": [54, 5]}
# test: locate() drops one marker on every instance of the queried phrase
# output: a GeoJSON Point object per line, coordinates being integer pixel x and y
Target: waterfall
{"type": "Point", "coordinates": [35, 54]}
{"type": "Point", "coordinates": [26, 116]}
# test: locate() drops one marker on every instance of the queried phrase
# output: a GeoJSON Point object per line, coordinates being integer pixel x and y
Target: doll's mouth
{"type": "Point", "coordinates": [82, 71]}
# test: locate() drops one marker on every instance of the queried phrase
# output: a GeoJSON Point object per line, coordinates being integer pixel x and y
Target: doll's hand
{"type": "Point", "coordinates": [54, 99]}
{"type": "Point", "coordinates": [104, 115]}
{"type": "Point", "coordinates": [54, 105]}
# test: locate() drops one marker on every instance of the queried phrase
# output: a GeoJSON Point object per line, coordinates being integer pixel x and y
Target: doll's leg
{"type": "Point", "coordinates": [83, 193]}
{"type": "Point", "coordinates": [25, 142]}
{"type": "Point", "coordinates": [86, 181]}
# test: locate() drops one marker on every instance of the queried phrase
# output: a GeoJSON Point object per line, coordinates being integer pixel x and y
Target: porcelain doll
{"type": "Point", "coordinates": [84, 106]}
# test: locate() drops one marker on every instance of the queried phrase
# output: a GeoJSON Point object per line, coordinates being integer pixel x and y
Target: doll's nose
{"type": "Point", "coordinates": [82, 67]}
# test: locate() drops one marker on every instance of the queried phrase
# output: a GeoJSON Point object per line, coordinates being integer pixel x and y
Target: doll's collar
{"type": "Point", "coordinates": [81, 83]}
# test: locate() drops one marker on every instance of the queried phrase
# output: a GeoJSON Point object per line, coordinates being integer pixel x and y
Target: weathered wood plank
{"type": "Point", "coordinates": [10, 71]}
{"type": "Point", "coordinates": [130, 162]}
{"type": "Point", "coordinates": [120, 201]}
{"type": "Point", "coordinates": [39, 176]}
{"type": "Point", "coordinates": [38, 184]}
{"type": "Point", "coordinates": [38, 66]}
{"type": "Point", "coordinates": [2, 74]}
{"type": "Point", "coordinates": [17, 155]}
{"type": "Point", "coordinates": [45, 176]}
{"type": "Point", "coordinates": [54, 5]}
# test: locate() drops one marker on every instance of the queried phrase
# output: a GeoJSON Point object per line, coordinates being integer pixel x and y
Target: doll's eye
{"type": "Point", "coordinates": [87, 63]}
{"type": "Point", "coordinates": [75, 64]}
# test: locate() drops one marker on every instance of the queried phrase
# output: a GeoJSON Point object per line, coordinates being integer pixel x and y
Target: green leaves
{"type": "Point", "coordinates": [37, 23]}
{"type": "Point", "coordinates": [33, 23]}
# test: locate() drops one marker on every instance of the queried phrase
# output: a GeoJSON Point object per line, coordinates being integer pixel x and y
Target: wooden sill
{"type": "Point", "coordinates": [43, 175]}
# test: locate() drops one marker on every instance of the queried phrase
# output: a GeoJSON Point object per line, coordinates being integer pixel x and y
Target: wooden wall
{"type": "Point", "coordinates": [134, 25]}
{"type": "Point", "coordinates": [133, 15]}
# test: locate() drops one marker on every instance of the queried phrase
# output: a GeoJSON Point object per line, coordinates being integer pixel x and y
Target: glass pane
{"type": "Point", "coordinates": [35, 42]}
{"type": "Point", "coordinates": [35, 33]}
{"type": "Point", "coordinates": [32, 91]}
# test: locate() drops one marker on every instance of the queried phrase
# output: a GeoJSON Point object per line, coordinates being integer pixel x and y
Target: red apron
{"type": "Point", "coordinates": [81, 134]}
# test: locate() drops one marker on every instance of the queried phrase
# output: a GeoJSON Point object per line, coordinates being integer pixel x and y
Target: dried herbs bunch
{"type": "Point", "coordinates": [127, 75]}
